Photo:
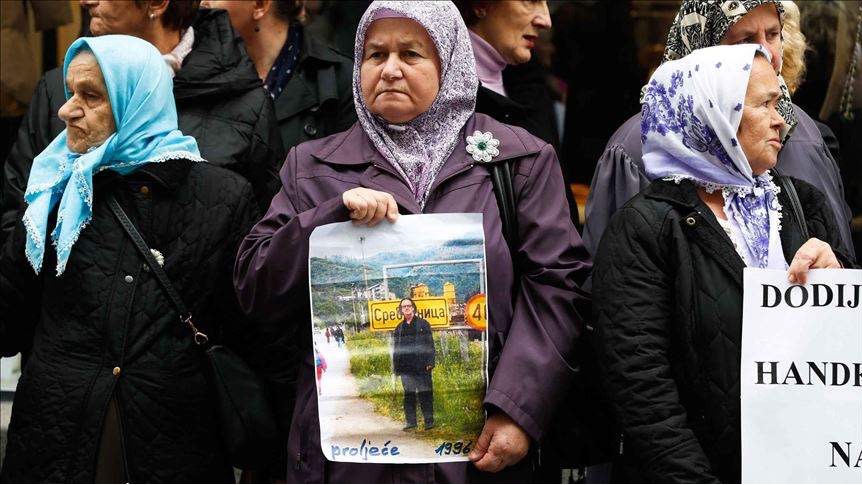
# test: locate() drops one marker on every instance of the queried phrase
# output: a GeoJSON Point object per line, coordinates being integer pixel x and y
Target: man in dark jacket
{"type": "Point", "coordinates": [220, 101]}
{"type": "Point", "coordinates": [413, 360]}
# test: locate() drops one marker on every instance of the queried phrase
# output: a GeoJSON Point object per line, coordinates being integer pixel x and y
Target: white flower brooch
{"type": "Point", "coordinates": [483, 146]}
{"type": "Point", "coordinates": [160, 258]}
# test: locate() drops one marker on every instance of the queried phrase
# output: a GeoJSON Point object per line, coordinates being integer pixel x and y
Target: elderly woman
{"type": "Point", "coordinates": [308, 79]}
{"type": "Point", "coordinates": [667, 284]}
{"type": "Point", "coordinates": [414, 87]}
{"type": "Point", "coordinates": [218, 96]}
{"type": "Point", "coordinates": [620, 171]}
{"type": "Point", "coordinates": [114, 389]}
{"type": "Point", "coordinates": [504, 34]}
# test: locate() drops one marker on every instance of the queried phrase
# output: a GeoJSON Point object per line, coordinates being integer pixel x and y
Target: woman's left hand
{"type": "Point", "coordinates": [813, 254]}
{"type": "Point", "coordinates": [501, 444]}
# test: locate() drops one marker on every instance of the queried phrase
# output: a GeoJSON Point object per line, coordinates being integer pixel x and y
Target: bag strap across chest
{"type": "Point", "coordinates": [162, 277]}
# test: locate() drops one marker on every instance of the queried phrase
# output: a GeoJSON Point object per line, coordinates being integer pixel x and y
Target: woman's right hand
{"type": "Point", "coordinates": [813, 254]}
{"type": "Point", "coordinates": [369, 207]}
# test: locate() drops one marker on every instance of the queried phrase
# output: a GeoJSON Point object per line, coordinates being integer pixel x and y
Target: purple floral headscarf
{"type": "Point", "coordinates": [692, 109]}
{"type": "Point", "coordinates": [420, 147]}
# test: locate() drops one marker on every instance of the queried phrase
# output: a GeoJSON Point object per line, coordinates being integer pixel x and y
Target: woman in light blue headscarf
{"type": "Point", "coordinates": [114, 388]}
{"type": "Point", "coordinates": [667, 283]}
{"type": "Point", "coordinates": [141, 104]}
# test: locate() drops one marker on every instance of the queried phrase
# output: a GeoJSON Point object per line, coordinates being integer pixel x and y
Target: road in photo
{"type": "Point", "coordinates": [343, 409]}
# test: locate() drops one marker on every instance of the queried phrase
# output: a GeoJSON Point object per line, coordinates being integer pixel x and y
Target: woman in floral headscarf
{"type": "Point", "coordinates": [667, 285]}
{"type": "Point", "coordinates": [704, 23]}
{"type": "Point", "coordinates": [416, 150]}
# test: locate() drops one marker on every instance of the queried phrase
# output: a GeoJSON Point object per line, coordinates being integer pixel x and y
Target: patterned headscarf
{"type": "Point", "coordinates": [420, 147]}
{"type": "Point", "coordinates": [691, 114]}
{"type": "Point", "coordinates": [139, 86]}
{"type": "Point", "coordinates": [704, 23]}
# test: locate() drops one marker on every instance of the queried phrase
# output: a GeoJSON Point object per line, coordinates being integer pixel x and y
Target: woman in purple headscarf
{"type": "Point", "coordinates": [415, 150]}
{"type": "Point", "coordinates": [667, 285]}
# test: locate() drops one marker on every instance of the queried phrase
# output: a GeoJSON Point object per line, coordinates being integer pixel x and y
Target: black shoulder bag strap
{"type": "Point", "coordinates": [501, 178]}
{"type": "Point", "coordinates": [799, 216]}
{"type": "Point", "coordinates": [161, 276]}
{"type": "Point", "coordinates": [250, 430]}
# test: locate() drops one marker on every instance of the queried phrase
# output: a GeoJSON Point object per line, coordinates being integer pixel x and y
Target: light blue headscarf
{"type": "Point", "coordinates": [141, 93]}
{"type": "Point", "coordinates": [692, 109]}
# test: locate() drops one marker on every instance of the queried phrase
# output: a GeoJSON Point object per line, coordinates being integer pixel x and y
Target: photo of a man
{"type": "Point", "coordinates": [402, 340]}
{"type": "Point", "coordinates": [413, 359]}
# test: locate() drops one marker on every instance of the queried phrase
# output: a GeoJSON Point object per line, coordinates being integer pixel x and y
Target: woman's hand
{"type": "Point", "coordinates": [368, 206]}
{"type": "Point", "coordinates": [812, 255]}
{"type": "Point", "coordinates": [501, 444]}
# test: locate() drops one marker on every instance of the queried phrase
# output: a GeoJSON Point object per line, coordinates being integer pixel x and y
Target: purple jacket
{"type": "Point", "coordinates": [533, 322]}
{"type": "Point", "coordinates": [620, 175]}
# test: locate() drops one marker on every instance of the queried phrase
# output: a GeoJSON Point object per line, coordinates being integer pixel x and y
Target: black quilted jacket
{"type": "Point", "coordinates": [105, 328]}
{"type": "Point", "coordinates": [220, 102]}
{"type": "Point", "coordinates": [667, 299]}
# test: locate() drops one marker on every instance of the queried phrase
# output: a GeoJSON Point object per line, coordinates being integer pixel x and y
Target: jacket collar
{"type": "Point", "coordinates": [302, 93]}
{"type": "Point", "coordinates": [495, 104]}
{"type": "Point", "coordinates": [313, 48]}
{"type": "Point", "coordinates": [170, 174]}
{"type": "Point", "coordinates": [682, 194]}
{"type": "Point", "coordinates": [353, 147]}
{"type": "Point", "coordinates": [699, 224]}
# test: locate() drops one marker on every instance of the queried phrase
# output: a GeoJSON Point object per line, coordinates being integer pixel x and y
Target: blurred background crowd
{"type": "Point", "coordinates": [581, 83]}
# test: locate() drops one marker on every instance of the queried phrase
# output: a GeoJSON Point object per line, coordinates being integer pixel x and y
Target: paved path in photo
{"type": "Point", "coordinates": [354, 418]}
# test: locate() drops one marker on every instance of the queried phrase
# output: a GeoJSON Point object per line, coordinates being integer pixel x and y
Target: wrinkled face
{"type": "Point", "coordinates": [400, 71]}
{"type": "Point", "coordinates": [240, 11]}
{"type": "Point", "coordinates": [407, 309]}
{"type": "Point", "coordinates": [116, 17]}
{"type": "Point", "coordinates": [87, 114]}
{"type": "Point", "coordinates": [512, 27]}
{"type": "Point", "coordinates": [760, 127]}
{"type": "Point", "coordinates": [759, 26]}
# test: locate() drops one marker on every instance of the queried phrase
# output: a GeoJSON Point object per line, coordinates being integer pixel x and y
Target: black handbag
{"type": "Point", "coordinates": [248, 422]}
{"type": "Point", "coordinates": [582, 431]}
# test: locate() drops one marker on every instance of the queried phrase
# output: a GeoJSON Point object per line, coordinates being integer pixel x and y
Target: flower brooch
{"type": "Point", "coordinates": [160, 258]}
{"type": "Point", "coordinates": [483, 146]}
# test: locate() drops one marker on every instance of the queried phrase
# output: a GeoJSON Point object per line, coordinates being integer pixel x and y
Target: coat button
{"type": "Point", "coordinates": [128, 279]}
{"type": "Point", "coordinates": [310, 130]}
{"type": "Point", "coordinates": [690, 221]}
{"type": "Point", "coordinates": [145, 190]}
{"type": "Point", "coordinates": [116, 372]}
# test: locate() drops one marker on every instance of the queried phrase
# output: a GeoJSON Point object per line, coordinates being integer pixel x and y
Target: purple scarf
{"type": "Point", "coordinates": [419, 148]}
{"type": "Point", "coordinates": [692, 108]}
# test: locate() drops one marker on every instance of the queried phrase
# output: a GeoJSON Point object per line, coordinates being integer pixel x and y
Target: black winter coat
{"type": "Point", "coordinates": [105, 328]}
{"type": "Point", "coordinates": [220, 102]}
{"type": "Point", "coordinates": [529, 106]}
{"type": "Point", "coordinates": [412, 347]}
{"type": "Point", "coordinates": [667, 299]}
{"type": "Point", "coordinates": [318, 99]}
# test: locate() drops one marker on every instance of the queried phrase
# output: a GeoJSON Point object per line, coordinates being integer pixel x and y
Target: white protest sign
{"type": "Point", "coordinates": [800, 378]}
